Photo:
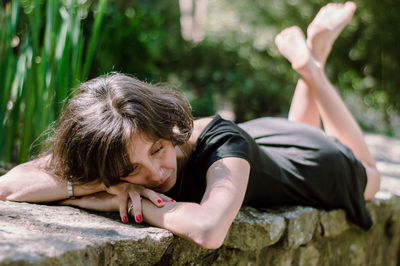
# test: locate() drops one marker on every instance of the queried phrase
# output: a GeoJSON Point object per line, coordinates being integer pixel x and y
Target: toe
{"type": "Point", "coordinates": [351, 6]}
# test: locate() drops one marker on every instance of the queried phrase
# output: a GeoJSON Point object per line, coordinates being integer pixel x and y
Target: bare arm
{"type": "Point", "coordinates": [206, 223]}
{"type": "Point", "coordinates": [30, 182]}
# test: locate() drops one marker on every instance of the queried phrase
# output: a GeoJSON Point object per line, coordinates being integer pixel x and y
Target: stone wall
{"type": "Point", "coordinates": [33, 234]}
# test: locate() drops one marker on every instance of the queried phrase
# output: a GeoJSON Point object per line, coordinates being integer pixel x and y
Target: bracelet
{"type": "Point", "coordinates": [69, 188]}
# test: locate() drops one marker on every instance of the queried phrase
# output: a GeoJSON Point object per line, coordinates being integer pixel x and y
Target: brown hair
{"type": "Point", "coordinates": [91, 135]}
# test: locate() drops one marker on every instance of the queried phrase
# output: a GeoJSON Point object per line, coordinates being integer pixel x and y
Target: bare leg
{"type": "Point", "coordinates": [303, 107]}
{"type": "Point", "coordinates": [321, 34]}
{"type": "Point", "coordinates": [337, 119]}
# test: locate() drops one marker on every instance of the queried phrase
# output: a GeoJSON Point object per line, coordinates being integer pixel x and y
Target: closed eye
{"type": "Point", "coordinates": [134, 171]}
{"type": "Point", "coordinates": [158, 149]}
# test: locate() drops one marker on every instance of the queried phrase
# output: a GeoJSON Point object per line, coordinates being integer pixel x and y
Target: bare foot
{"type": "Point", "coordinates": [292, 45]}
{"type": "Point", "coordinates": [326, 26]}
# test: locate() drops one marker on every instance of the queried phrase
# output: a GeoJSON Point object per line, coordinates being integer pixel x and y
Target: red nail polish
{"type": "Point", "coordinates": [172, 200]}
{"type": "Point", "coordinates": [138, 218]}
{"type": "Point", "coordinates": [159, 201]}
{"type": "Point", "coordinates": [125, 219]}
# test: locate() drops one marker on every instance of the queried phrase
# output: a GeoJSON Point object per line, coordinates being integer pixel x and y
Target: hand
{"type": "Point", "coordinates": [124, 191]}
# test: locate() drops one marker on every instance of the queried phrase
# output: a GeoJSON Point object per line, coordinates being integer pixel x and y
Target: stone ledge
{"type": "Point", "coordinates": [34, 234]}
{"type": "Point", "coordinates": [38, 234]}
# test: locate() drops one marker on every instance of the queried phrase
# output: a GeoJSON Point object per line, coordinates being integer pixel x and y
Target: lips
{"type": "Point", "coordinates": [164, 184]}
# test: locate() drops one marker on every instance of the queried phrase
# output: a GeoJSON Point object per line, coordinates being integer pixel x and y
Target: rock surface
{"type": "Point", "coordinates": [34, 234]}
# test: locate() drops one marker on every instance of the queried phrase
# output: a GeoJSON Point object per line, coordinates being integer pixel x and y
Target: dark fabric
{"type": "Point", "coordinates": [291, 163]}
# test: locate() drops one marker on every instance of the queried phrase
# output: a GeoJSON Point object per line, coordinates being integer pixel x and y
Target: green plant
{"type": "Point", "coordinates": [43, 53]}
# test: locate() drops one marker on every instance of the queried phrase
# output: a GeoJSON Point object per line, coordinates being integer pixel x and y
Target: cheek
{"type": "Point", "coordinates": [171, 158]}
{"type": "Point", "coordinates": [134, 179]}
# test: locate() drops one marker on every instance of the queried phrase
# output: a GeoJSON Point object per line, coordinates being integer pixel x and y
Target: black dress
{"type": "Point", "coordinates": [290, 164]}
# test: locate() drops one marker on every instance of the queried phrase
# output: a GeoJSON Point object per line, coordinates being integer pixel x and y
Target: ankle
{"type": "Point", "coordinates": [312, 72]}
{"type": "Point", "coordinates": [309, 69]}
{"type": "Point", "coordinates": [320, 54]}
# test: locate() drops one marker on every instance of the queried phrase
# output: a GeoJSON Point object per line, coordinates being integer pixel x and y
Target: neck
{"type": "Point", "coordinates": [181, 157]}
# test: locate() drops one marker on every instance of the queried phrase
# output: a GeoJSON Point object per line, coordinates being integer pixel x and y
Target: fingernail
{"type": "Point", "coordinates": [159, 201]}
{"type": "Point", "coordinates": [172, 200]}
{"type": "Point", "coordinates": [125, 219]}
{"type": "Point", "coordinates": [139, 218]}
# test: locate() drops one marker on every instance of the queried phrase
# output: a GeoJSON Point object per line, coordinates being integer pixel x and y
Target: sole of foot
{"type": "Point", "coordinates": [326, 27]}
{"type": "Point", "coordinates": [292, 45]}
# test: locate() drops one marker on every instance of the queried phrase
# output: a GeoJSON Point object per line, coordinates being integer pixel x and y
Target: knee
{"type": "Point", "coordinates": [373, 182]}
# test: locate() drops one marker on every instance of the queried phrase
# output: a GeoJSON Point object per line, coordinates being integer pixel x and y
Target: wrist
{"type": "Point", "coordinates": [70, 190]}
{"type": "Point", "coordinates": [78, 190]}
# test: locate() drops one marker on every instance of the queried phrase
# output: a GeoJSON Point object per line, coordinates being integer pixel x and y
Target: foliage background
{"type": "Point", "coordinates": [236, 62]}
{"type": "Point", "coordinates": [239, 60]}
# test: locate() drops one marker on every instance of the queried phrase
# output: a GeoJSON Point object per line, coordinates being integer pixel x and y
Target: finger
{"type": "Point", "coordinates": [136, 206]}
{"type": "Point", "coordinates": [166, 198]}
{"type": "Point", "coordinates": [123, 206]}
{"type": "Point", "coordinates": [153, 197]}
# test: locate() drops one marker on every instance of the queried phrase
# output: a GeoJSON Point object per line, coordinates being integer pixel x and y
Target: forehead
{"type": "Point", "coordinates": [138, 144]}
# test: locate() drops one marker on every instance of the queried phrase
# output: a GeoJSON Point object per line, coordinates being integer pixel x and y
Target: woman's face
{"type": "Point", "coordinates": [154, 163]}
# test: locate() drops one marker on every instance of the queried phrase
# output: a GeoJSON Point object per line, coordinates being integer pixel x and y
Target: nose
{"type": "Point", "coordinates": [155, 173]}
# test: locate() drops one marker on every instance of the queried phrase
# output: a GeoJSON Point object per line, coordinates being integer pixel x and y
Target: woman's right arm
{"type": "Point", "coordinates": [205, 224]}
{"type": "Point", "coordinates": [31, 183]}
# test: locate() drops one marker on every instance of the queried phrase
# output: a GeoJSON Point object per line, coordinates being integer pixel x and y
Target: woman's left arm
{"type": "Point", "coordinates": [207, 223]}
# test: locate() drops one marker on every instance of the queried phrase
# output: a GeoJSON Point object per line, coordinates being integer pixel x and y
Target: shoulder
{"type": "Point", "coordinates": [198, 126]}
{"type": "Point", "coordinates": [209, 124]}
{"type": "Point", "coordinates": [220, 138]}
{"type": "Point", "coordinates": [42, 162]}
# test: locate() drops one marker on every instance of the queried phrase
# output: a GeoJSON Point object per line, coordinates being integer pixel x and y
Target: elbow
{"type": "Point", "coordinates": [209, 237]}
{"type": "Point", "coordinates": [2, 196]}
{"type": "Point", "coordinates": [211, 244]}
{"type": "Point", "coordinates": [7, 191]}
{"type": "Point", "coordinates": [4, 192]}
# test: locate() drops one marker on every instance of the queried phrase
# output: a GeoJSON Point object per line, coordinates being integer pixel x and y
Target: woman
{"type": "Point", "coordinates": [125, 145]}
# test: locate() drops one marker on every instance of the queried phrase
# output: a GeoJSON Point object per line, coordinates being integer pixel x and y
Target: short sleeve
{"type": "Point", "coordinates": [220, 139]}
{"type": "Point", "coordinates": [228, 145]}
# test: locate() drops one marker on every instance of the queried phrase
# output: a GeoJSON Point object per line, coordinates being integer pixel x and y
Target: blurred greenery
{"type": "Point", "coordinates": [237, 60]}
{"type": "Point", "coordinates": [43, 54]}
